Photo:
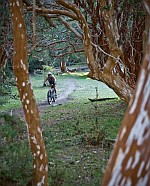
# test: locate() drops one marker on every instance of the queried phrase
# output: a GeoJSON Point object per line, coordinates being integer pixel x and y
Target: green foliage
{"type": "Point", "coordinates": [77, 154]}
{"type": "Point", "coordinates": [35, 64]}
{"type": "Point", "coordinates": [15, 156]}
{"type": "Point", "coordinates": [6, 82]}
{"type": "Point", "coordinates": [47, 68]}
{"type": "Point", "coordinates": [5, 89]}
{"type": "Point", "coordinates": [77, 134]}
{"type": "Point", "coordinates": [50, 53]}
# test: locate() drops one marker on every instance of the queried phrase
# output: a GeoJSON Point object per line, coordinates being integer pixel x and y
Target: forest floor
{"type": "Point", "coordinates": [78, 133]}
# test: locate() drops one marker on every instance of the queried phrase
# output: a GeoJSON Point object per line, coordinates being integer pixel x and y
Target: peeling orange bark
{"type": "Point", "coordinates": [130, 160]}
{"type": "Point", "coordinates": [20, 65]}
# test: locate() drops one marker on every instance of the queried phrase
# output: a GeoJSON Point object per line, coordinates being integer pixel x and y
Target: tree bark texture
{"type": "Point", "coordinates": [111, 57]}
{"type": "Point", "coordinates": [130, 160]}
{"type": "Point", "coordinates": [20, 65]}
{"type": "Point", "coordinates": [112, 34]}
{"type": "Point", "coordinates": [63, 67]}
{"type": "Point", "coordinates": [3, 62]}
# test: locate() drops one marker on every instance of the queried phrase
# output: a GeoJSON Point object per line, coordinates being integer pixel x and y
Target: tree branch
{"type": "Point", "coordinates": [34, 26]}
{"type": "Point", "coordinates": [59, 12]}
{"type": "Point", "coordinates": [70, 27]}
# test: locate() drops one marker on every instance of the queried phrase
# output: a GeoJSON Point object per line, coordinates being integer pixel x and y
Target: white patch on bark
{"type": "Point", "coordinates": [137, 132]}
{"type": "Point", "coordinates": [140, 169]}
{"type": "Point", "coordinates": [28, 132]}
{"type": "Point", "coordinates": [17, 3]}
{"type": "Point", "coordinates": [139, 89]}
{"type": "Point", "coordinates": [34, 139]}
{"type": "Point", "coordinates": [123, 133]}
{"type": "Point", "coordinates": [142, 122]}
{"type": "Point", "coordinates": [143, 180]}
{"type": "Point", "coordinates": [117, 168]}
{"type": "Point", "coordinates": [41, 156]}
{"type": "Point", "coordinates": [38, 147]}
{"type": "Point", "coordinates": [111, 24]}
{"type": "Point", "coordinates": [38, 152]}
{"type": "Point", "coordinates": [24, 67]}
{"type": "Point", "coordinates": [23, 97]}
{"type": "Point", "coordinates": [128, 166]}
{"type": "Point", "coordinates": [41, 182]}
{"type": "Point", "coordinates": [46, 168]}
{"type": "Point", "coordinates": [39, 130]}
{"type": "Point", "coordinates": [41, 167]}
{"type": "Point", "coordinates": [20, 25]}
{"type": "Point", "coordinates": [137, 159]}
{"type": "Point", "coordinates": [23, 84]}
{"type": "Point", "coordinates": [27, 101]}
{"type": "Point", "coordinates": [148, 165]}
{"type": "Point", "coordinates": [116, 172]}
{"type": "Point", "coordinates": [129, 183]}
{"type": "Point", "coordinates": [87, 61]}
{"type": "Point", "coordinates": [26, 107]}
{"type": "Point", "coordinates": [123, 181]}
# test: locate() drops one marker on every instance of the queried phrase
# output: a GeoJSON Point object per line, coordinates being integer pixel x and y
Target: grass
{"type": "Point", "coordinates": [69, 139]}
{"type": "Point", "coordinates": [77, 135]}
{"type": "Point", "coordinates": [15, 155]}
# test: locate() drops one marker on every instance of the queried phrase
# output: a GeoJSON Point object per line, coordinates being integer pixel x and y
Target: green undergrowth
{"type": "Point", "coordinates": [15, 154]}
{"type": "Point", "coordinates": [79, 135]}
{"type": "Point", "coordinates": [79, 138]}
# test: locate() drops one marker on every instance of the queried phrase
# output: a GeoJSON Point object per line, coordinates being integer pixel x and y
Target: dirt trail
{"type": "Point", "coordinates": [62, 98]}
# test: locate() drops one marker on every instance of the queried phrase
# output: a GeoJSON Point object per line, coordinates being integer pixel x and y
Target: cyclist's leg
{"type": "Point", "coordinates": [55, 90]}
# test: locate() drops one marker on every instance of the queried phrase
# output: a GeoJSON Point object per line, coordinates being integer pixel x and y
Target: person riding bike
{"type": "Point", "coordinates": [52, 82]}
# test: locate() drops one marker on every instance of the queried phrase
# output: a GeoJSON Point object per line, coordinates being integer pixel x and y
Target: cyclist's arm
{"type": "Point", "coordinates": [45, 80]}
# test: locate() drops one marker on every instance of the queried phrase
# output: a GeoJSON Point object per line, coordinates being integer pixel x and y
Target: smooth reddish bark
{"type": "Point", "coordinates": [20, 65]}
{"type": "Point", "coordinates": [130, 160]}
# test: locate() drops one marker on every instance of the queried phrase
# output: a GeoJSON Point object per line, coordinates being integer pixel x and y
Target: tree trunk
{"type": "Point", "coordinates": [3, 62]}
{"type": "Point", "coordinates": [20, 65]}
{"type": "Point", "coordinates": [112, 56]}
{"type": "Point", "coordinates": [107, 70]}
{"type": "Point", "coordinates": [63, 67]}
{"type": "Point", "coordinates": [130, 160]}
{"type": "Point", "coordinates": [112, 33]}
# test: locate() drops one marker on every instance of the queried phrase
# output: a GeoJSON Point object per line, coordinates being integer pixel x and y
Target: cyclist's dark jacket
{"type": "Point", "coordinates": [51, 80]}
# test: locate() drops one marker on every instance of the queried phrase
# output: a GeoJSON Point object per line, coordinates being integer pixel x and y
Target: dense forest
{"type": "Point", "coordinates": [110, 37]}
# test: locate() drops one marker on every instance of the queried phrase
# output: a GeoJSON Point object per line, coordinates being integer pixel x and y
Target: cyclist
{"type": "Point", "coordinates": [52, 81]}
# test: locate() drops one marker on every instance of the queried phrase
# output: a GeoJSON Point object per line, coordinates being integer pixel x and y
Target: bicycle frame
{"type": "Point", "coordinates": [51, 95]}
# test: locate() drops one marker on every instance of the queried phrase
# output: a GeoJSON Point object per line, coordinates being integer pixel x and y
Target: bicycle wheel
{"type": "Point", "coordinates": [52, 96]}
{"type": "Point", "coordinates": [49, 98]}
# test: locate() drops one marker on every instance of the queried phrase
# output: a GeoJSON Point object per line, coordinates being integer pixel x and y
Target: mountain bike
{"type": "Point", "coordinates": [51, 95]}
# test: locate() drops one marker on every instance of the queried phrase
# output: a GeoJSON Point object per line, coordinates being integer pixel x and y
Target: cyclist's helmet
{"type": "Point", "coordinates": [49, 73]}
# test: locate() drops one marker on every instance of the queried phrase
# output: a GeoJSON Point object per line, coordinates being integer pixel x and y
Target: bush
{"type": "Point", "coordinates": [35, 64]}
{"type": "Point", "coordinates": [15, 155]}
